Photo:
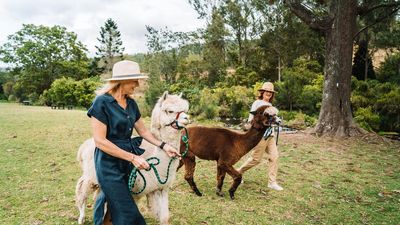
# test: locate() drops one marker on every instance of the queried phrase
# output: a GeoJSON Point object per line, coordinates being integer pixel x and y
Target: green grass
{"type": "Point", "coordinates": [354, 181]}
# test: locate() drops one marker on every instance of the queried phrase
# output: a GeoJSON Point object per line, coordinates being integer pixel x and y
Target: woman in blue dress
{"type": "Point", "coordinates": [114, 114]}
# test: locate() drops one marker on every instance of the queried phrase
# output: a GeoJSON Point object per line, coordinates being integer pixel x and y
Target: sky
{"type": "Point", "coordinates": [85, 17]}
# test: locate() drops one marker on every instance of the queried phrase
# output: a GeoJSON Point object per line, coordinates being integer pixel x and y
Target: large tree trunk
{"type": "Point", "coordinates": [335, 118]}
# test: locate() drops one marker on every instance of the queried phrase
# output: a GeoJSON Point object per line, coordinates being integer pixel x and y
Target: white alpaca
{"type": "Point", "coordinates": [169, 112]}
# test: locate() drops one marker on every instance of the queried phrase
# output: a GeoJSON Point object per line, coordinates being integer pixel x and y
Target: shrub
{"type": "Point", "coordinates": [206, 107]}
{"type": "Point", "coordinates": [70, 92]}
{"type": "Point", "coordinates": [301, 121]}
{"type": "Point", "coordinates": [12, 98]}
{"type": "Point", "coordinates": [367, 119]}
{"type": "Point", "coordinates": [85, 91]}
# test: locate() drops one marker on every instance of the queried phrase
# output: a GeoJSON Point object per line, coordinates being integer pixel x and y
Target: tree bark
{"type": "Point", "coordinates": [335, 118]}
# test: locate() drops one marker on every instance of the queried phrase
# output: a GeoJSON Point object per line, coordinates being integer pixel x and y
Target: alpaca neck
{"type": "Point", "coordinates": [251, 138]}
{"type": "Point", "coordinates": [170, 136]}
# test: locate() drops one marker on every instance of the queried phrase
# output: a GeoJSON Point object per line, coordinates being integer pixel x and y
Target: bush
{"type": "Point", "coordinates": [300, 121]}
{"type": "Point", "coordinates": [70, 92]}
{"type": "Point", "coordinates": [287, 115]}
{"type": "Point", "coordinates": [367, 119]}
{"type": "Point", "coordinates": [207, 105]}
{"type": "Point", "coordinates": [235, 101]}
{"type": "Point", "coordinates": [12, 98]}
{"type": "Point", "coordinates": [382, 99]}
{"type": "Point", "coordinates": [62, 92]}
{"type": "Point", "coordinates": [85, 91]}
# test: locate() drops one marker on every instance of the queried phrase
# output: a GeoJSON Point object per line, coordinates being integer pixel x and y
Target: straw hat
{"type": "Point", "coordinates": [126, 70]}
{"type": "Point", "coordinates": [267, 86]}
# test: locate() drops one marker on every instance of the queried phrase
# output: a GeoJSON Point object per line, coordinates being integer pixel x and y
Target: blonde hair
{"type": "Point", "coordinates": [111, 87]}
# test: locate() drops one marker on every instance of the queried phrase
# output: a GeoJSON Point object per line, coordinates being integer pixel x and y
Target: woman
{"type": "Point", "coordinates": [265, 97]}
{"type": "Point", "coordinates": [113, 115]}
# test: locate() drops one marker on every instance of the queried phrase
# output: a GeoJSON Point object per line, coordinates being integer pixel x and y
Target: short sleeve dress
{"type": "Point", "coordinates": [113, 173]}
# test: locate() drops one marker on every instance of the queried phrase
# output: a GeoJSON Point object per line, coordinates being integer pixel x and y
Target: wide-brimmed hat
{"type": "Point", "coordinates": [126, 70]}
{"type": "Point", "coordinates": [268, 86]}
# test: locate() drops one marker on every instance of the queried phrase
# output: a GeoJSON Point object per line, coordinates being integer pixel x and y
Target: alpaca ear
{"type": "Point", "coordinates": [162, 98]}
{"type": "Point", "coordinates": [180, 95]}
{"type": "Point", "coordinates": [164, 95]}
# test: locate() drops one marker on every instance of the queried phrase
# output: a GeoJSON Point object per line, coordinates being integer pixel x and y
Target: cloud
{"type": "Point", "coordinates": [85, 17]}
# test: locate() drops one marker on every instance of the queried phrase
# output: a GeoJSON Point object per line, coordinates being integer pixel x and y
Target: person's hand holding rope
{"type": "Point", "coordinates": [171, 151]}
{"type": "Point", "coordinates": [139, 162]}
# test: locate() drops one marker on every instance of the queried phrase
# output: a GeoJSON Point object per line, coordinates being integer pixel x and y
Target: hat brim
{"type": "Point", "coordinates": [132, 77]}
{"type": "Point", "coordinates": [267, 90]}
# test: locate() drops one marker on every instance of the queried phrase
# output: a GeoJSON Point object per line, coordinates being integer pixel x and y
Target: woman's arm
{"type": "Point", "coordinates": [99, 131]}
{"type": "Point", "coordinates": [148, 136]}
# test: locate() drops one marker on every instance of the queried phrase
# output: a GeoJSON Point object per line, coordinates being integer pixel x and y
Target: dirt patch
{"type": "Point", "coordinates": [334, 144]}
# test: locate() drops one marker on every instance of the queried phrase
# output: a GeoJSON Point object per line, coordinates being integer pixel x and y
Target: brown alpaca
{"type": "Point", "coordinates": [226, 147]}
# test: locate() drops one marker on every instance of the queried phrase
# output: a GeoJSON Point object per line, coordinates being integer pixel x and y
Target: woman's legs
{"type": "Point", "coordinates": [113, 183]}
{"type": "Point", "coordinates": [122, 207]}
{"type": "Point", "coordinates": [98, 211]}
{"type": "Point", "coordinates": [255, 157]}
{"type": "Point", "coordinates": [273, 156]}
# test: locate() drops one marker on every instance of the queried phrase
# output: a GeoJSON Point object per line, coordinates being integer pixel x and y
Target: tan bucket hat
{"type": "Point", "coordinates": [268, 86]}
{"type": "Point", "coordinates": [126, 70]}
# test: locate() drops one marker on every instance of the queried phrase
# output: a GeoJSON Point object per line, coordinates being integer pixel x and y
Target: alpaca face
{"type": "Point", "coordinates": [265, 115]}
{"type": "Point", "coordinates": [173, 111]}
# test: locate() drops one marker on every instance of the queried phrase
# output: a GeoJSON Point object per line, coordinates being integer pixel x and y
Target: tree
{"type": "Point", "coordinates": [41, 54]}
{"type": "Point", "coordinates": [286, 38]}
{"type": "Point", "coordinates": [214, 48]}
{"type": "Point", "coordinates": [110, 49]}
{"type": "Point", "coordinates": [336, 21]}
{"type": "Point", "coordinates": [362, 66]}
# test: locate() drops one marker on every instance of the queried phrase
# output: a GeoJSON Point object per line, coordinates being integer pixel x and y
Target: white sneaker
{"type": "Point", "coordinates": [275, 186]}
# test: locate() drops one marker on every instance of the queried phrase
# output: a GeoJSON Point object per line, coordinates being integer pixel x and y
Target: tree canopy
{"type": "Point", "coordinates": [40, 54]}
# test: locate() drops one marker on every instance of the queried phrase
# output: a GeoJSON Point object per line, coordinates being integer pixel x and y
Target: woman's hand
{"type": "Point", "coordinates": [139, 162]}
{"type": "Point", "coordinates": [171, 151]}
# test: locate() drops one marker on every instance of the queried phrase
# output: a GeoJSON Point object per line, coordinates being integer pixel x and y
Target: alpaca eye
{"type": "Point", "coordinates": [170, 111]}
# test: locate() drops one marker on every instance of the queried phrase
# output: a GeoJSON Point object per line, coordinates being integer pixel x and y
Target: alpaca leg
{"type": "Point", "coordinates": [237, 179]}
{"type": "Point", "coordinates": [96, 192]}
{"type": "Point", "coordinates": [190, 165]}
{"type": "Point", "coordinates": [163, 207]}
{"type": "Point", "coordinates": [152, 203]}
{"type": "Point", "coordinates": [157, 202]}
{"type": "Point", "coordinates": [180, 165]}
{"type": "Point", "coordinates": [83, 189]}
{"type": "Point", "coordinates": [220, 178]}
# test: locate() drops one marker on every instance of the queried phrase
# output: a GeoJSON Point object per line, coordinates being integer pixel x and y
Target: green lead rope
{"type": "Point", "coordinates": [153, 162]}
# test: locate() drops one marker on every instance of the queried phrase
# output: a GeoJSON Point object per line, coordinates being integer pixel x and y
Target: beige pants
{"type": "Point", "coordinates": [270, 147]}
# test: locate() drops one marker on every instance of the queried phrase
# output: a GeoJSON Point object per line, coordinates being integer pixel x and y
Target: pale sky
{"type": "Point", "coordinates": [85, 17]}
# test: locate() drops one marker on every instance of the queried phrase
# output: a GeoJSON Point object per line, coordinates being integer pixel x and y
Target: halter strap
{"type": "Point", "coordinates": [175, 122]}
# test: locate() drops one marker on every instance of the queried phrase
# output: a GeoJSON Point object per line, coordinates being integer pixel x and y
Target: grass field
{"type": "Point", "coordinates": [355, 181]}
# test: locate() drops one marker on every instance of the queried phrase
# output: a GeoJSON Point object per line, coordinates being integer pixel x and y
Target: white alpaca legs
{"type": "Point", "coordinates": [158, 204]}
{"type": "Point", "coordinates": [81, 197]}
{"type": "Point", "coordinates": [84, 188]}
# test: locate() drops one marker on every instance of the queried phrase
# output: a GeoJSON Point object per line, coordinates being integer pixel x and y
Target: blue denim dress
{"type": "Point", "coordinates": [112, 173]}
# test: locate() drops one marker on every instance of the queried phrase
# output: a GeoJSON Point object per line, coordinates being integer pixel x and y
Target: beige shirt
{"type": "Point", "coordinates": [256, 104]}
